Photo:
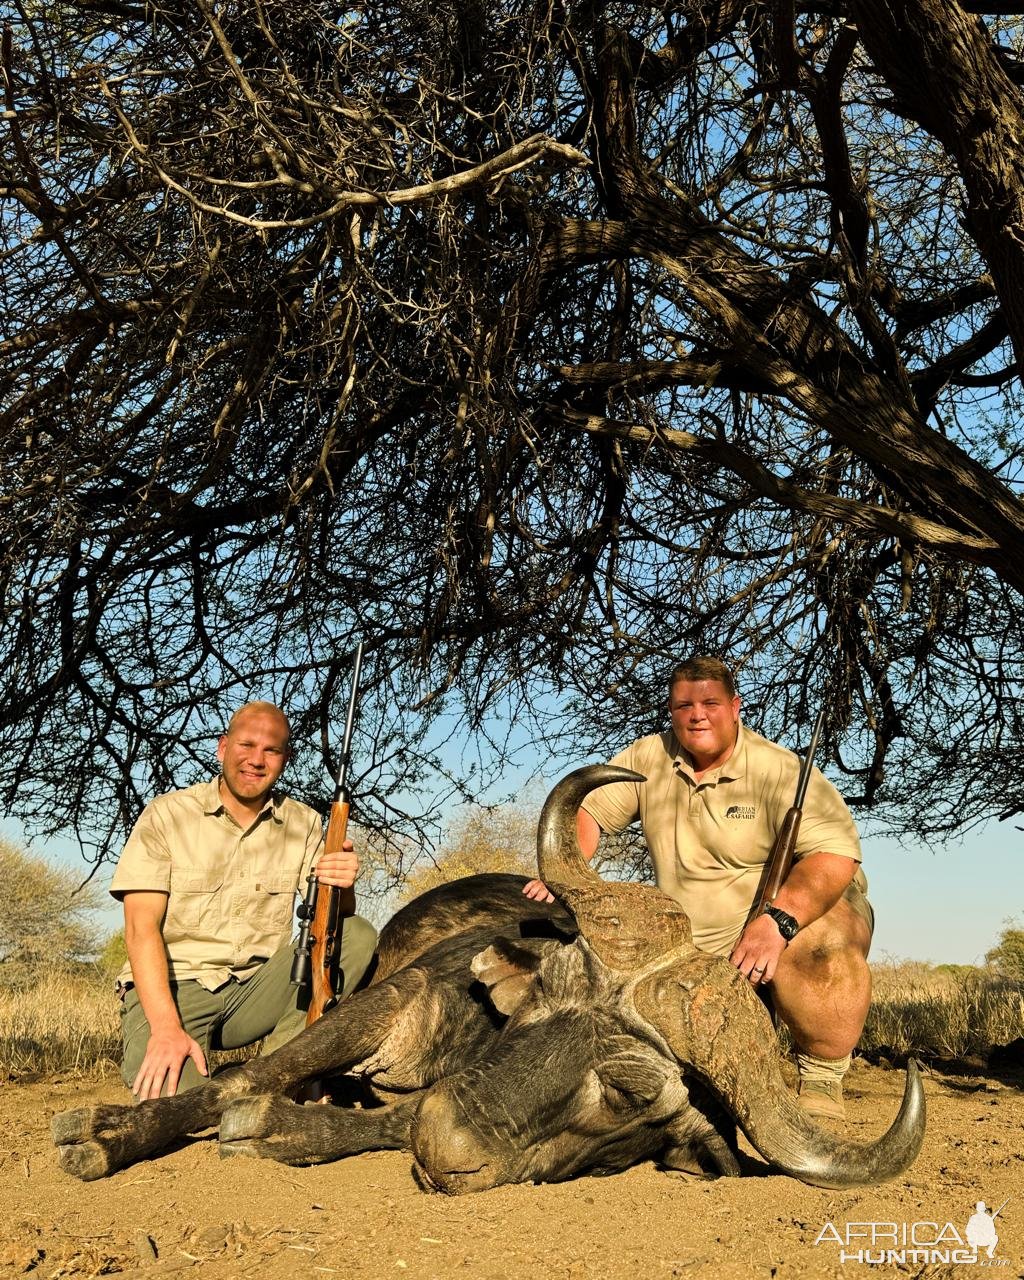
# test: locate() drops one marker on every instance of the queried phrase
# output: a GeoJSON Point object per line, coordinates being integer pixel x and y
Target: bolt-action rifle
{"type": "Point", "coordinates": [322, 910]}
{"type": "Point", "coordinates": [781, 857]}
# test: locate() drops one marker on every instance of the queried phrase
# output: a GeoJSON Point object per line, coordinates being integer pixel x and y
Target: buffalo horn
{"type": "Point", "coordinates": [558, 852]}
{"type": "Point", "coordinates": [716, 1027]}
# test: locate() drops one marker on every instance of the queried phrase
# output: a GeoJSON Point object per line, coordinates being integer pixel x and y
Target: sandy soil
{"type": "Point", "coordinates": [189, 1213]}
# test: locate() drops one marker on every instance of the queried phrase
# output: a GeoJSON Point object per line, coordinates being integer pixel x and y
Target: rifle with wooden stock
{"type": "Point", "coordinates": [324, 908]}
{"type": "Point", "coordinates": [784, 848]}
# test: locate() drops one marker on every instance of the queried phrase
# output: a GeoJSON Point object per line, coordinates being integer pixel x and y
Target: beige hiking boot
{"type": "Point", "coordinates": [822, 1099]}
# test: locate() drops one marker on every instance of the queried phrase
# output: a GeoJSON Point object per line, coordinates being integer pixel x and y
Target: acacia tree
{"type": "Point", "coordinates": [539, 344]}
{"type": "Point", "coordinates": [48, 919]}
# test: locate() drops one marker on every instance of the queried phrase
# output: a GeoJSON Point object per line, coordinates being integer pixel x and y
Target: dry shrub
{"type": "Point", "coordinates": [47, 917]}
{"type": "Point", "coordinates": [951, 1011]}
{"type": "Point", "coordinates": [502, 839]}
{"type": "Point", "coordinates": [64, 1022]}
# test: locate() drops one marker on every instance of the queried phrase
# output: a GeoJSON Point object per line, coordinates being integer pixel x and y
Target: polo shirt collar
{"type": "Point", "coordinates": [735, 767]}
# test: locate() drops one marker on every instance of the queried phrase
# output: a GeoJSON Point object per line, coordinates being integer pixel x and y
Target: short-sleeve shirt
{"type": "Point", "coordinates": [709, 839]}
{"type": "Point", "coordinates": [231, 893]}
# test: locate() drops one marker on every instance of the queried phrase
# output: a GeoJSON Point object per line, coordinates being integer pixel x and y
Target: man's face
{"type": "Point", "coordinates": [253, 754]}
{"type": "Point", "coordinates": [704, 720]}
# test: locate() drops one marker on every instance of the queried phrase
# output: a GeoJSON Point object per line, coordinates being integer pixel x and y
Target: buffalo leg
{"type": "Point", "coordinates": [274, 1128]}
{"type": "Point", "coordinates": [96, 1141]}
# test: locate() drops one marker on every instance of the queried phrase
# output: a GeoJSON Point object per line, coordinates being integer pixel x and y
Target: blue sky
{"type": "Point", "coordinates": [945, 906]}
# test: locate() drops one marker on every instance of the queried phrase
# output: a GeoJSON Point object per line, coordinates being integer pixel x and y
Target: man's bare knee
{"type": "Point", "coordinates": [833, 938]}
{"type": "Point", "coordinates": [830, 953]}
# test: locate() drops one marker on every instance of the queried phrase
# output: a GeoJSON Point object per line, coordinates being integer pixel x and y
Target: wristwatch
{"type": "Point", "coordinates": [789, 926]}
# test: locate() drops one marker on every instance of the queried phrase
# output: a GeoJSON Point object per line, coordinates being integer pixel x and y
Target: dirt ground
{"type": "Point", "coordinates": [187, 1213]}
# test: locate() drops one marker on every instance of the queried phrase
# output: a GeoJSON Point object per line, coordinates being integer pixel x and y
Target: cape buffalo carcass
{"type": "Point", "coordinates": [509, 1041]}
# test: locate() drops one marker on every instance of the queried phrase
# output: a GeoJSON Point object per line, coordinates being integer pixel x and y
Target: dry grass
{"type": "Point", "coordinates": [948, 1012]}
{"type": "Point", "coordinates": [63, 1023]}
{"type": "Point", "coordinates": [68, 1023]}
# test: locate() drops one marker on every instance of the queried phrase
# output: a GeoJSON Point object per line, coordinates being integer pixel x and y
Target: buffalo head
{"type": "Point", "coordinates": [628, 1043]}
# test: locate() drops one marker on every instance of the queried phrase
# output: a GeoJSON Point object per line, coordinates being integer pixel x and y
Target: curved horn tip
{"type": "Point", "coordinates": [558, 855]}
{"type": "Point", "coordinates": [589, 777]}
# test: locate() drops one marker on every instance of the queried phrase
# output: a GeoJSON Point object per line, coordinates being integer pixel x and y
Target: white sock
{"type": "Point", "coordinates": [811, 1067]}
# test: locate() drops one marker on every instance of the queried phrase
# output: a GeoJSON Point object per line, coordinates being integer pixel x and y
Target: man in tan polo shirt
{"type": "Point", "coordinates": [715, 796]}
{"type": "Point", "coordinates": [208, 880]}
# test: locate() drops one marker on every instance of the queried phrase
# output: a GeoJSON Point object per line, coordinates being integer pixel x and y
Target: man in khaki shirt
{"type": "Point", "coordinates": [208, 880]}
{"type": "Point", "coordinates": [714, 797]}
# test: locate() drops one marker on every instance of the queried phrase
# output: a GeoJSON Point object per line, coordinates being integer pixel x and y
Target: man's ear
{"type": "Point", "coordinates": [222, 746]}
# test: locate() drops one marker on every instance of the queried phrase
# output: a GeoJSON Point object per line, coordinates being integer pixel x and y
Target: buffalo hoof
{"type": "Point", "coordinates": [269, 1127]}
{"type": "Point", "coordinates": [90, 1140]}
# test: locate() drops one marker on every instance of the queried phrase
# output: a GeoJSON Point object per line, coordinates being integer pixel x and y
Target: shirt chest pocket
{"type": "Point", "coordinates": [273, 897]}
{"type": "Point", "coordinates": [195, 905]}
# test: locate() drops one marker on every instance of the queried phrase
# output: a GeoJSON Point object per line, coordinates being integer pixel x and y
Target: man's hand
{"type": "Point", "coordinates": [538, 891]}
{"type": "Point", "coordinates": [756, 955]}
{"type": "Point", "coordinates": [338, 869]}
{"type": "Point", "coordinates": [166, 1053]}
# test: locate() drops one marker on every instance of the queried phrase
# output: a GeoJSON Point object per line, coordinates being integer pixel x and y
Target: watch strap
{"type": "Point", "coordinates": [788, 925]}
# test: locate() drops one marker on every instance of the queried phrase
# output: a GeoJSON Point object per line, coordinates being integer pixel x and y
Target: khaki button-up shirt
{"type": "Point", "coordinates": [709, 840]}
{"type": "Point", "coordinates": [231, 893]}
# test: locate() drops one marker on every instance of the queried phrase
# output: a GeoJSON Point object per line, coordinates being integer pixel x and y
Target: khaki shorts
{"type": "Point", "coordinates": [857, 899]}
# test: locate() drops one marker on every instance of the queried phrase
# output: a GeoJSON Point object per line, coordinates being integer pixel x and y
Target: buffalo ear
{"type": "Point", "coordinates": [508, 972]}
{"type": "Point", "coordinates": [632, 1081]}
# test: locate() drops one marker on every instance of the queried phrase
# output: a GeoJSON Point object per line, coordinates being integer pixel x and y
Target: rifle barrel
{"type": "Point", "coordinates": [346, 742]}
{"type": "Point", "coordinates": [808, 764]}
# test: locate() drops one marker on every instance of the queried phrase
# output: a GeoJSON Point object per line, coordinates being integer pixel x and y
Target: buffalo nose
{"type": "Point", "coordinates": [447, 1151]}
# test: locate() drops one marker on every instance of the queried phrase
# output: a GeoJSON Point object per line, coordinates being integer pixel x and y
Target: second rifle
{"type": "Point", "coordinates": [780, 860]}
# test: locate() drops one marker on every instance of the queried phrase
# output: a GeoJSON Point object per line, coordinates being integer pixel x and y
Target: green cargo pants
{"type": "Point", "coordinates": [240, 1013]}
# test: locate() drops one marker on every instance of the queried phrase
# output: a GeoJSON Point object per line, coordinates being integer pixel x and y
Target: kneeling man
{"type": "Point", "coordinates": [208, 881]}
{"type": "Point", "coordinates": [715, 796]}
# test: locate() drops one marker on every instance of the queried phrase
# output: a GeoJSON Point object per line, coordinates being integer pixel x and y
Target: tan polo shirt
{"type": "Point", "coordinates": [709, 840]}
{"type": "Point", "coordinates": [231, 893]}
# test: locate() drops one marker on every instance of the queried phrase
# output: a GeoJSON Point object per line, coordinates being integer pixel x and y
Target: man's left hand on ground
{"type": "Point", "coordinates": [757, 953]}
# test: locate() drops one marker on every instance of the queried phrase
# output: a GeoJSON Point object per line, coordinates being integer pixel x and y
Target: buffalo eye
{"type": "Point", "coordinates": [630, 1083]}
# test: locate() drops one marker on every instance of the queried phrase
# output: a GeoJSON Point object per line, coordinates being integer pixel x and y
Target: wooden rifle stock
{"type": "Point", "coordinates": [780, 860]}
{"type": "Point", "coordinates": [332, 906]}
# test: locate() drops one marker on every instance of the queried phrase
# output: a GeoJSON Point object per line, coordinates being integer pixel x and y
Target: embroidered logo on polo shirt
{"type": "Point", "coordinates": [741, 811]}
